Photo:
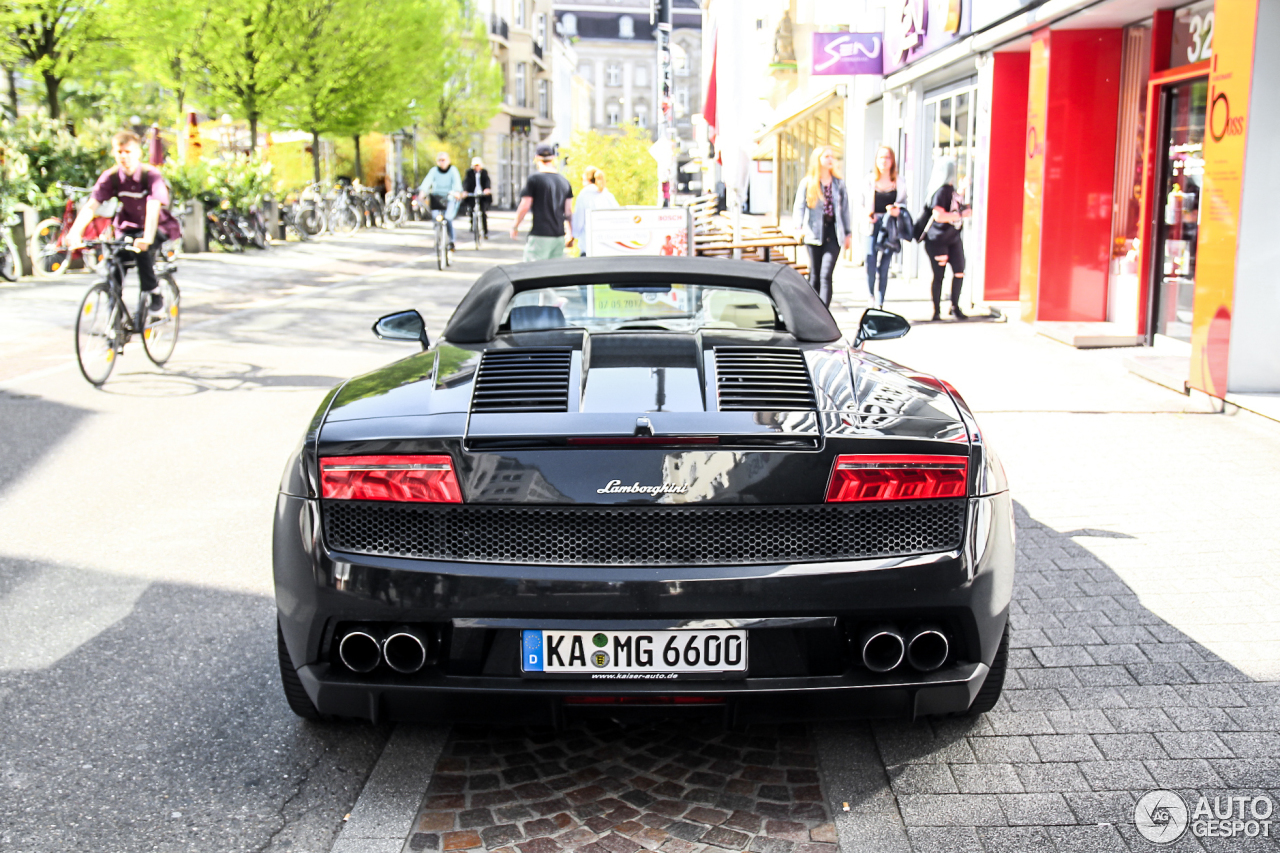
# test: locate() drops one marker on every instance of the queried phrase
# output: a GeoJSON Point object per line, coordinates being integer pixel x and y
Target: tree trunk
{"type": "Point", "coordinates": [253, 132]}
{"type": "Point", "coordinates": [51, 85]}
{"type": "Point", "coordinates": [359, 167]}
{"type": "Point", "coordinates": [11, 76]}
{"type": "Point", "coordinates": [315, 154]}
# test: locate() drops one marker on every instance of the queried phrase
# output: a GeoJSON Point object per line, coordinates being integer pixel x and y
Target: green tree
{"type": "Point", "coordinates": [630, 171]}
{"type": "Point", "coordinates": [246, 48]}
{"type": "Point", "coordinates": [350, 60]}
{"type": "Point", "coordinates": [164, 55]}
{"type": "Point", "coordinates": [52, 37]}
{"type": "Point", "coordinates": [460, 87]}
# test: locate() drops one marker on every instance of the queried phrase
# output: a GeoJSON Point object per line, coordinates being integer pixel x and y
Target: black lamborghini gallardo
{"type": "Point", "coordinates": [665, 485]}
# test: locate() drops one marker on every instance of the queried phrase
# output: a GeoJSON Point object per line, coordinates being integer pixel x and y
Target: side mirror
{"type": "Point", "coordinates": [877, 325]}
{"type": "Point", "coordinates": [402, 326]}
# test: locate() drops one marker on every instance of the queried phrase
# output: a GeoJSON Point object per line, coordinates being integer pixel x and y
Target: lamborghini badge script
{"type": "Point", "coordinates": [615, 487]}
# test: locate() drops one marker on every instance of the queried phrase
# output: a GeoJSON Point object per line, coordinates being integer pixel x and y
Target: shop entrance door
{"type": "Point", "coordinates": [1177, 215]}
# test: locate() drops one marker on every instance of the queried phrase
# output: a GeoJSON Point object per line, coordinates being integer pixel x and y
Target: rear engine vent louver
{"type": "Point", "coordinates": [763, 379]}
{"type": "Point", "coordinates": [523, 380]}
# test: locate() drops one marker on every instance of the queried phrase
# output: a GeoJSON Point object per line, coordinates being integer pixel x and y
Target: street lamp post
{"type": "Point", "coordinates": [666, 112]}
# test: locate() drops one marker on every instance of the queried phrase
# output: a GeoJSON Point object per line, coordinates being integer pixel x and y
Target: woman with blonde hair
{"type": "Point", "coordinates": [820, 216]}
{"type": "Point", "coordinates": [593, 196]}
{"type": "Point", "coordinates": [883, 197]}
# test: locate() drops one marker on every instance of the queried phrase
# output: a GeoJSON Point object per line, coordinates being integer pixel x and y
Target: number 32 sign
{"type": "Point", "coordinates": [1192, 34]}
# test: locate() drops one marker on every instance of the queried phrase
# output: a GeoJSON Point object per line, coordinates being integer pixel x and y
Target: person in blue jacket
{"type": "Point", "coordinates": [442, 187]}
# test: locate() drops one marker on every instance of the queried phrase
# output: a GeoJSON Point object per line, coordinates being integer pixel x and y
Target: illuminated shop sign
{"type": "Point", "coordinates": [848, 53]}
{"type": "Point", "coordinates": [916, 28]}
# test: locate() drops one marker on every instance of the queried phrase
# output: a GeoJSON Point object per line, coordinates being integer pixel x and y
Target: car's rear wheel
{"type": "Point", "coordinates": [990, 692]}
{"type": "Point", "coordinates": [294, 693]}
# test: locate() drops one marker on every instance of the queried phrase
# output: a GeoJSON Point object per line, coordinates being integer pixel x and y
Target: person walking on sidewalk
{"type": "Point", "coordinates": [942, 240]}
{"type": "Point", "coordinates": [593, 197]}
{"type": "Point", "coordinates": [443, 187]}
{"type": "Point", "coordinates": [820, 216]}
{"type": "Point", "coordinates": [548, 195]}
{"type": "Point", "coordinates": [883, 198]}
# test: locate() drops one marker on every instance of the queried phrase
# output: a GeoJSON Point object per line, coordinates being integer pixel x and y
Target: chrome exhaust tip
{"type": "Point", "coordinates": [360, 651]}
{"type": "Point", "coordinates": [882, 648]}
{"type": "Point", "coordinates": [928, 649]}
{"type": "Point", "coordinates": [405, 651]}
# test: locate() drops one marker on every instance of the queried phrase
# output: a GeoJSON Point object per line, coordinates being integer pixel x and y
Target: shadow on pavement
{"type": "Point", "coordinates": [30, 427]}
{"type": "Point", "coordinates": [187, 378]}
{"type": "Point", "coordinates": [165, 729]}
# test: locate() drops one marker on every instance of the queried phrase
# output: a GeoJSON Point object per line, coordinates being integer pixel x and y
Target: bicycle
{"type": "Point", "coordinates": [477, 216]}
{"type": "Point", "coordinates": [344, 216]}
{"type": "Point", "coordinates": [46, 247]}
{"type": "Point", "coordinates": [9, 252]}
{"type": "Point", "coordinates": [441, 227]}
{"type": "Point", "coordinates": [399, 209]}
{"type": "Point", "coordinates": [104, 325]}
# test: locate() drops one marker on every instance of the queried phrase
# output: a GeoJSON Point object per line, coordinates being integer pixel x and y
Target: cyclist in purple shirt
{"type": "Point", "coordinates": [143, 196]}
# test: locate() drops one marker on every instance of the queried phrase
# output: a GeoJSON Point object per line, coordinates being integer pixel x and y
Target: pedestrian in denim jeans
{"type": "Point", "coordinates": [883, 197]}
{"type": "Point", "coordinates": [820, 215]}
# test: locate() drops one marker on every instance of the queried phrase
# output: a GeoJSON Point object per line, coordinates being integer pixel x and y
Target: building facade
{"type": "Point", "coordinates": [1103, 147]}
{"type": "Point", "coordinates": [617, 54]}
{"type": "Point", "coordinates": [520, 40]}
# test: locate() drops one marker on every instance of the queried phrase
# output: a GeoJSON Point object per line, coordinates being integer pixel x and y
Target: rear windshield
{"type": "Point", "coordinates": [671, 307]}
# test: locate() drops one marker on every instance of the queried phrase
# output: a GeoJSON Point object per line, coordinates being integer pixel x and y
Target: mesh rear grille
{"type": "Point", "coordinates": [523, 380]}
{"type": "Point", "coordinates": [762, 378]}
{"type": "Point", "coordinates": [644, 536]}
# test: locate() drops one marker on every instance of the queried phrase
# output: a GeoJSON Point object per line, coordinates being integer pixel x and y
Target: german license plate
{"type": "Point", "coordinates": [633, 654]}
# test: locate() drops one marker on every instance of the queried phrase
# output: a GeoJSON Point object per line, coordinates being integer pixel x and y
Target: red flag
{"type": "Point", "coordinates": [709, 102]}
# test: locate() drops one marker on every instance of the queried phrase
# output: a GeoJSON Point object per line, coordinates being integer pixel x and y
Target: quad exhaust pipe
{"type": "Point", "coordinates": [884, 648]}
{"type": "Point", "coordinates": [404, 650]}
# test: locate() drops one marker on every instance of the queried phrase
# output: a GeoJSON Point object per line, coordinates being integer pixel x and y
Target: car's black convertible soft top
{"type": "Point", "coordinates": [623, 484]}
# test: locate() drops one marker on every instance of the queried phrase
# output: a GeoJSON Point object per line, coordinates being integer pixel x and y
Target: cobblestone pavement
{"type": "Point", "coordinates": [604, 788]}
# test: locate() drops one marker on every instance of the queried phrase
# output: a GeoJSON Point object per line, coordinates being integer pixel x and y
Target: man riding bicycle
{"type": "Point", "coordinates": [142, 213]}
{"type": "Point", "coordinates": [443, 187]}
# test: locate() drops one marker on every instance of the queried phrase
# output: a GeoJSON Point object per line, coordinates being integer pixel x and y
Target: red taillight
{"type": "Point", "coordinates": [897, 478]}
{"type": "Point", "coordinates": [424, 479]}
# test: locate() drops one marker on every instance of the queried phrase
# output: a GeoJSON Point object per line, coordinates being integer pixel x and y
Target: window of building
{"type": "Point", "coordinates": [522, 98]}
{"type": "Point", "coordinates": [680, 56]}
{"type": "Point", "coordinates": [521, 18]}
{"type": "Point", "coordinates": [642, 115]}
{"type": "Point", "coordinates": [642, 75]}
{"type": "Point", "coordinates": [626, 27]}
{"type": "Point", "coordinates": [569, 24]}
{"type": "Point", "coordinates": [586, 70]}
{"type": "Point", "coordinates": [540, 33]}
{"type": "Point", "coordinates": [613, 75]}
{"type": "Point", "coordinates": [682, 100]}
{"type": "Point", "coordinates": [614, 115]}
{"type": "Point", "coordinates": [544, 98]}
{"type": "Point", "coordinates": [506, 84]}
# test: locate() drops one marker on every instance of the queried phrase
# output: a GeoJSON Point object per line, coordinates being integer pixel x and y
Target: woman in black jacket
{"type": "Point", "coordinates": [478, 176]}
{"type": "Point", "coordinates": [942, 241]}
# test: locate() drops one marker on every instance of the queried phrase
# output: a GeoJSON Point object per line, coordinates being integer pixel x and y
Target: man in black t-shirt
{"type": "Point", "coordinates": [547, 195]}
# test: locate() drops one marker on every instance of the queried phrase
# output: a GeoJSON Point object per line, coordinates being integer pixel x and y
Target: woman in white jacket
{"type": "Point", "coordinates": [820, 216]}
{"type": "Point", "coordinates": [593, 196]}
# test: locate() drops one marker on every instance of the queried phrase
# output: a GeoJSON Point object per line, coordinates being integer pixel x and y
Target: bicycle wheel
{"type": "Point", "coordinates": [309, 221]}
{"type": "Point", "coordinates": [442, 245]}
{"type": "Point", "coordinates": [395, 213]}
{"type": "Point", "coordinates": [98, 333]}
{"type": "Point", "coordinates": [48, 257]}
{"type": "Point", "coordinates": [345, 220]}
{"type": "Point", "coordinates": [160, 328]}
{"type": "Point", "coordinates": [475, 227]}
{"type": "Point", "coordinates": [8, 265]}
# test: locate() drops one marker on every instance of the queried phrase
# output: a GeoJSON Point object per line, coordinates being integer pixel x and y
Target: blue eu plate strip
{"type": "Point", "coordinates": [532, 654]}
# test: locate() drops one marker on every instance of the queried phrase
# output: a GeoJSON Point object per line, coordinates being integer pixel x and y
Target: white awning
{"type": "Point", "coordinates": [790, 113]}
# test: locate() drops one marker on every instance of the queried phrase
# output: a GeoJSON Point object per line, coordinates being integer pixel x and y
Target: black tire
{"type": "Point", "coordinates": [8, 265]}
{"type": "Point", "coordinates": [98, 334]}
{"type": "Point", "coordinates": [160, 333]}
{"type": "Point", "coordinates": [309, 221]}
{"type": "Point", "coordinates": [475, 227]}
{"type": "Point", "coordinates": [294, 693]}
{"type": "Point", "coordinates": [254, 228]}
{"type": "Point", "coordinates": [989, 694]}
{"type": "Point", "coordinates": [442, 247]}
{"type": "Point", "coordinates": [48, 257]}
{"type": "Point", "coordinates": [346, 220]}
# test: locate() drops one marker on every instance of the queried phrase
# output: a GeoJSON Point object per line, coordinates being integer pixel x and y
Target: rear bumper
{"type": "Point", "coordinates": [317, 589]}
{"type": "Point", "coordinates": [505, 701]}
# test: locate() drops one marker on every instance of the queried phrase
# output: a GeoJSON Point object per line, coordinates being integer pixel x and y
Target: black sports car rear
{"type": "Point", "coordinates": [665, 485]}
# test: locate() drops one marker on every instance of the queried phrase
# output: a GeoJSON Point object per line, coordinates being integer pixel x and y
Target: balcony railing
{"type": "Point", "coordinates": [537, 50]}
{"type": "Point", "coordinates": [498, 26]}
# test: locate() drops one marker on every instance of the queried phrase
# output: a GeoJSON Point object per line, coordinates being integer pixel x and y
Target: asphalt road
{"type": "Point", "coordinates": [138, 681]}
